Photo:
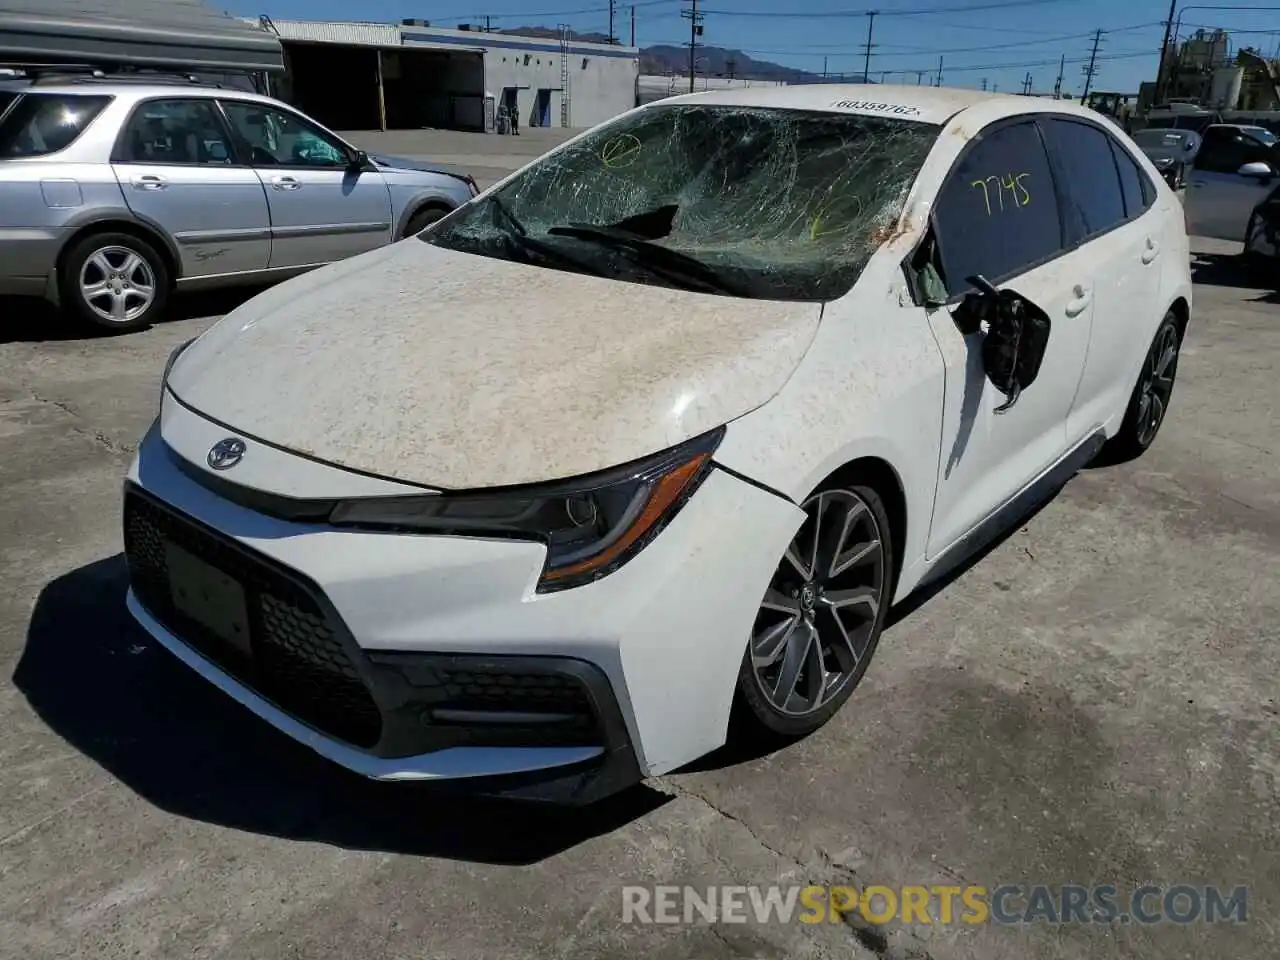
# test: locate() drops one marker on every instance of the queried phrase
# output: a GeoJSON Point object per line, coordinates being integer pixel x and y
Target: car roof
{"type": "Point", "coordinates": [925, 104]}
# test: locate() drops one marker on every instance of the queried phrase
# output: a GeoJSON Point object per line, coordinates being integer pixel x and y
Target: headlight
{"type": "Point", "coordinates": [591, 525]}
{"type": "Point", "coordinates": [168, 364]}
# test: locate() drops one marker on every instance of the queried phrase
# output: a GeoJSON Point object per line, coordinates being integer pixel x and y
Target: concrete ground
{"type": "Point", "coordinates": [1095, 701]}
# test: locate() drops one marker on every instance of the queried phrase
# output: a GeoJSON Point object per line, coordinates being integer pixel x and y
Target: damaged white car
{"type": "Point", "coordinates": [637, 448]}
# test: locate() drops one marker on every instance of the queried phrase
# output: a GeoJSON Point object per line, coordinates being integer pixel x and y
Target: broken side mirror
{"type": "Point", "coordinates": [1017, 335]}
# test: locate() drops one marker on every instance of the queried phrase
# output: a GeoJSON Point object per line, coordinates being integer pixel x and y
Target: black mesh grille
{"type": "Point", "coordinates": [515, 691]}
{"type": "Point", "coordinates": [298, 661]}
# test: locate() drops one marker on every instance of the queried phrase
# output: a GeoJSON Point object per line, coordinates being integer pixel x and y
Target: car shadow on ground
{"type": "Point", "coordinates": [100, 683]}
{"type": "Point", "coordinates": [32, 320]}
{"type": "Point", "coordinates": [1230, 270]}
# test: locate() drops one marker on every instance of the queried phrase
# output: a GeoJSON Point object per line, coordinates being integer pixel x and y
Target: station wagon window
{"type": "Point", "coordinates": [1092, 192]}
{"type": "Point", "coordinates": [279, 138]}
{"type": "Point", "coordinates": [40, 124]}
{"type": "Point", "coordinates": [175, 131]}
{"type": "Point", "coordinates": [997, 214]}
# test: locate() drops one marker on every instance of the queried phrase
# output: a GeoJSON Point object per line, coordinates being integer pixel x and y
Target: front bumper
{"type": "Point", "coordinates": [416, 657]}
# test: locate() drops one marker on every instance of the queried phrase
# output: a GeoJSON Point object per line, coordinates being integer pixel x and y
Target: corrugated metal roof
{"type": "Point", "coordinates": [328, 31]}
{"type": "Point", "coordinates": [174, 34]}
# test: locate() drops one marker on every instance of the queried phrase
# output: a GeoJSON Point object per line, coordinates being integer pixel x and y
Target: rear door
{"type": "Point", "coordinates": [176, 164]}
{"type": "Point", "coordinates": [1219, 198]}
{"type": "Point", "coordinates": [997, 215]}
{"type": "Point", "coordinates": [1113, 223]}
{"type": "Point", "coordinates": [322, 207]}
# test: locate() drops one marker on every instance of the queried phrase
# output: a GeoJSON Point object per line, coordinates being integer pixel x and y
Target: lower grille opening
{"type": "Point", "coordinates": [293, 654]}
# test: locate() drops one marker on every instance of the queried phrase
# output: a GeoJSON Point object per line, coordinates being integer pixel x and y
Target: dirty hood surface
{"type": "Point", "coordinates": [458, 371]}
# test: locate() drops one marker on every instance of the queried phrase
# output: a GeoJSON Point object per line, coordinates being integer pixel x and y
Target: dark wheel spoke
{"type": "Point", "coordinates": [817, 621]}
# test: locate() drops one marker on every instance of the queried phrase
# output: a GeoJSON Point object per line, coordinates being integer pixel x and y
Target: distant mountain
{"type": "Point", "coordinates": [712, 61]}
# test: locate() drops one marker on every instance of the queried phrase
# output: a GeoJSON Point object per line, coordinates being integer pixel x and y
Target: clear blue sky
{"type": "Point", "coordinates": [999, 40]}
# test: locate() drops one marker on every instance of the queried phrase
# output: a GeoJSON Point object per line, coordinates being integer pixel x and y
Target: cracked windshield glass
{"type": "Point", "coordinates": [761, 203]}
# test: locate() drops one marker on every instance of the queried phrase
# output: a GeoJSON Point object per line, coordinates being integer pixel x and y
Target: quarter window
{"type": "Point", "coordinates": [277, 138]}
{"type": "Point", "coordinates": [175, 131]}
{"type": "Point", "coordinates": [42, 123]}
{"type": "Point", "coordinates": [1094, 199]}
{"type": "Point", "coordinates": [997, 214]}
{"type": "Point", "coordinates": [1137, 195]}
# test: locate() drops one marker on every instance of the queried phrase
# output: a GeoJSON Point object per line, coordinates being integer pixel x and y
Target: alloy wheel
{"type": "Point", "coordinates": [814, 630]}
{"type": "Point", "coordinates": [1157, 384]}
{"type": "Point", "coordinates": [117, 284]}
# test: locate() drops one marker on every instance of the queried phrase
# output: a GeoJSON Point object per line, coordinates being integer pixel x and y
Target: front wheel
{"type": "Point", "coordinates": [1149, 402]}
{"type": "Point", "coordinates": [114, 281]}
{"type": "Point", "coordinates": [821, 617]}
{"type": "Point", "coordinates": [423, 219]}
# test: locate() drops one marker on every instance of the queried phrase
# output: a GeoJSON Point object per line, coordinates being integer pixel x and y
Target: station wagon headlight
{"type": "Point", "coordinates": [591, 525]}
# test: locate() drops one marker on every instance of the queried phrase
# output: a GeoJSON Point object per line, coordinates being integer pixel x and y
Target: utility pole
{"type": "Point", "coordinates": [1090, 71]}
{"type": "Point", "coordinates": [919, 77]}
{"type": "Point", "coordinates": [866, 60]}
{"type": "Point", "coordinates": [488, 26]}
{"type": "Point", "coordinates": [1026, 84]}
{"type": "Point", "coordinates": [633, 26]}
{"type": "Point", "coordinates": [984, 84]}
{"type": "Point", "coordinates": [1164, 53]}
{"type": "Point", "coordinates": [731, 64]}
{"type": "Point", "coordinates": [824, 68]}
{"type": "Point", "coordinates": [939, 83]}
{"type": "Point", "coordinates": [611, 5]}
{"type": "Point", "coordinates": [1057, 87]}
{"type": "Point", "coordinates": [695, 31]}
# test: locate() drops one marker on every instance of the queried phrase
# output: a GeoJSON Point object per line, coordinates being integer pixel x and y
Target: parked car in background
{"type": "Point", "coordinates": [1171, 151]}
{"type": "Point", "coordinates": [1234, 170]}
{"type": "Point", "coordinates": [115, 192]}
{"type": "Point", "coordinates": [641, 446]}
{"type": "Point", "coordinates": [1262, 241]}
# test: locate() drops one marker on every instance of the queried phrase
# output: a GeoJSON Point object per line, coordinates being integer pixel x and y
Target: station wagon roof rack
{"type": "Point", "coordinates": [43, 73]}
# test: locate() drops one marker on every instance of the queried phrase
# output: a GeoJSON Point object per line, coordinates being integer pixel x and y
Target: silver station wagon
{"type": "Point", "coordinates": [114, 192]}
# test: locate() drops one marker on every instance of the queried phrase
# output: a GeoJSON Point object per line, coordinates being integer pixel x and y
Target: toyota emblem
{"type": "Point", "coordinates": [226, 453]}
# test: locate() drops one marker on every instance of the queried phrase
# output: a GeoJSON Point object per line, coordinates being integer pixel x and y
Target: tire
{"type": "Point", "coordinates": [424, 218]}
{"type": "Point", "coordinates": [130, 275]}
{"type": "Point", "coordinates": [1149, 402]}
{"type": "Point", "coordinates": [797, 607]}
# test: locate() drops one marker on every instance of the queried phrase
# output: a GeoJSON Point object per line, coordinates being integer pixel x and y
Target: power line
{"type": "Point", "coordinates": [914, 12]}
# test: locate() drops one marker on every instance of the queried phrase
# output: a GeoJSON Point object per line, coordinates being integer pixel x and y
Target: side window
{"type": "Point", "coordinates": [1093, 195]}
{"type": "Point", "coordinates": [278, 138]}
{"type": "Point", "coordinates": [1138, 195]}
{"type": "Point", "coordinates": [39, 124]}
{"type": "Point", "coordinates": [175, 131]}
{"type": "Point", "coordinates": [997, 214]}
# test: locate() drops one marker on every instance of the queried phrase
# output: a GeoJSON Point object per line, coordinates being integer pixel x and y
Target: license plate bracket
{"type": "Point", "coordinates": [211, 598]}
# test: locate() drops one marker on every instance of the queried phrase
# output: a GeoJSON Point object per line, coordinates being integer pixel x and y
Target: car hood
{"type": "Point", "coordinates": [459, 371]}
{"type": "Point", "coordinates": [404, 163]}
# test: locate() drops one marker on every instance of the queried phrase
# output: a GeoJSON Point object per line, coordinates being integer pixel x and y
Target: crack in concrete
{"type": "Point", "coordinates": [97, 436]}
{"type": "Point", "coordinates": [675, 790]}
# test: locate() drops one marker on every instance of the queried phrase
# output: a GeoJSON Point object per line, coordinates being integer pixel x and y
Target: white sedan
{"type": "Point", "coordinates": [634, 452]}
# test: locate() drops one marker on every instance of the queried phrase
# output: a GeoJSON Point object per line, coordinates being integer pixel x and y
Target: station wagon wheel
{"type": "Point", "coordinates": [820, 619]}
{"type": "Point", "coordinates": [424, 218]}
{"type": "Point", "coordinates": [115, 281]}
{"type": "Point", "coordinates": [1149, 402]}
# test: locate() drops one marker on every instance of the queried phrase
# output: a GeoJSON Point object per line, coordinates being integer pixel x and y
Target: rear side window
{"type": "Point", "coordinates": [997, 214]}
{"type": "Point", "coordinates": [1137, 195]}
{"type": "Point", "coordinates": [1095, 200]}
{"type": "Point", "coordinates": [175, 131]}
{"type": "Point", "coordinates": [43, 123]}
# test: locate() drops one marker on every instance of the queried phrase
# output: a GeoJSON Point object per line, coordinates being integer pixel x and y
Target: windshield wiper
{"type": "Point", "coordinates": [519, 238]}
{"type": "Point", "coordinates": [671, 264]}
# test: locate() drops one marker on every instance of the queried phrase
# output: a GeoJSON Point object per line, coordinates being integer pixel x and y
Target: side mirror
{"type": "Point", "coordinates": [359, 160]}
{"type": "Point", "coordinates": [1016, 338]}
{"type": "Point", "coordinates": [1256, 170]}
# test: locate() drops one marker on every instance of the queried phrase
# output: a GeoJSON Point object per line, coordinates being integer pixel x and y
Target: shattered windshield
{"type": "Point", "coordinates": [762, 203]}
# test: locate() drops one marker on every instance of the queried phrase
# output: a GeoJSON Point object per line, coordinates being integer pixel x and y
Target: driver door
{"type": "Point", "coordinates": [1219, 198]}
{"type": "Point", "coordinates": [322, 208]}
{"type": "Point", "coordinates": [997, 216]}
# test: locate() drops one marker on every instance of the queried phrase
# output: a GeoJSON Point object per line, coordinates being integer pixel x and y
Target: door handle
{"type": "Point", "coordinates": [285, 183]}
{"type": "Point", "coordinates": [1079, 302]}
{"type": "Point", "coordinates": [149, 181]}
{"type": "Point", "coordinates": [1150, 251]}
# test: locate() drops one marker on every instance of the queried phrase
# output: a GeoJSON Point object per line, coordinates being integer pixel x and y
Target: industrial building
{"type": "Point", "coordinates": [350, 76]}
{"type": "Point", "coordinates": [362, 76]}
